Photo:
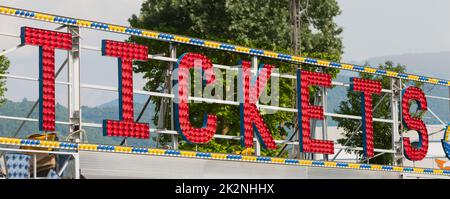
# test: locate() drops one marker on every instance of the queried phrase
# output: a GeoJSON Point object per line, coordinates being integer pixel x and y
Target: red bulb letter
{"type": "Point", "coordinates": [412, 153]}
{"type": "Point", "coordinates": [47, 41]}
{"type": "Point", "coordinates": [251, 120]}
{"type": "Point", "coordinates": [306, 111]}
{"type": "Point", "coordinates": [368, 88]}
{"type": "Point", "coordinates": [126, 52]}
{"type": "Point", "coordinates": [181, 106]}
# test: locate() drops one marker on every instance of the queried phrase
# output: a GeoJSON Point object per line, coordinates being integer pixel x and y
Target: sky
{"type": "Point", "coordinates": [387, 27]}
{"type": "Point", "coordinates": [371, 29]}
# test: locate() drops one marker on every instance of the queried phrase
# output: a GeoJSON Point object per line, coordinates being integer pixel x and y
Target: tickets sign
{"type": "Point", "coordinates": [251, 121]}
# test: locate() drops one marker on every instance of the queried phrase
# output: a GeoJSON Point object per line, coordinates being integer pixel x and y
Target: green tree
{"type": "Point", "coordinates": [382, 131]}
{"type": "Point", "coordinates": [4, 65]}
{"type": "Point", "coordinates": [258, 24]}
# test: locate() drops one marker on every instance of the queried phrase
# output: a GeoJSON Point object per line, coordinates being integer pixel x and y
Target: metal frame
{"type": "Point", "coordinates": [74, 89]}
{"type": "Point", "coordinates": [75, 122]}
{"type": "Point", "coordinates": [171, 96]}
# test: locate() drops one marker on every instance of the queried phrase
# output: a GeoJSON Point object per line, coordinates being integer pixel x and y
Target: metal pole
{"type": "Point", "coordinates": [173, 54]}
{"type": "Point", "coordinates": [64, 166]}
{"type": "Point", "coordinates": [394, 111]}
{"type": "Point", "coordinates": [4, 52]}
{"type": "Point", "coordinates": [295, 13]}
{"type": "Point", "coordinates": [367, 160]}
{"type": "Point", "coordinates": [399, 138]}
{"type": "Point", "coordinates": [162, 111]}
{"type": "Point", "coordinates": [295, 25]}
{"type": "Point", "coordinates": [324, 121]}
{"type": "Point", "coordinates": [77, 165]}
{"type": "Point", "coordinates": [285, 144]}
{"type": "Point", "coordinates": [255, 70]}
{"type": "Point", "coordinates": [164, 103]}
{"type": "Point", "coordinates": [295, 38]}
{"type": "Point", "coordinates": [74, 89]}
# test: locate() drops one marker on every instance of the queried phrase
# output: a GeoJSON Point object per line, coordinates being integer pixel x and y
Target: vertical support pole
{"type": "Point", "coordinates": [402, 155]}
{"type": "Point", "coordinates": [394, 117]}
{"type": "Point", "coordinates": [255, 72]}
{"type": "Point", "coordinates": [173, 54]}
{"type": "Point", "coordinates": [74, 89]}
{"type": "Point", "coordinates": [76, 158]}
{"type": "Point", "coordinates": [395, 99]}
{"type": "Point", "coordinates": [324, 121]}
{"type": "Point", "coordinates": [296, 154]}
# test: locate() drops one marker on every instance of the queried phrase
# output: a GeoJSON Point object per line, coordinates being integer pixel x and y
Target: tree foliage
{"type": "Point", "coordinates": [4, 65]}
{"type": "Point", "coordinates": [258, 24]}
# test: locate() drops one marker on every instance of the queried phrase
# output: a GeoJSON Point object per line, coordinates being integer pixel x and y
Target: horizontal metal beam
{"type": "Point", "coordinates": [9, 35]}
{"type": "Point", "coordinates": [361, 149]}
{"type": "Point", "coordinates": [156, 94]}
{"type": "Point", "coordinates": [231, 137]}
{"type": "Point", "coordinates": [233, 68]}
{"type": "Point", "coordinates": [356, 117]}
{"type": "Point", "coordinates": [29, 119]}
{"type": "Point", "coordinates": [335, 83]}
{"type": "Point", "coordinates": [437, 97]}
{"type": "Point", "coordinates": [4, 52]}
{"type": "Point", "coordinates": [20, 77]}
{"type": "Point", "coordinates": [170, 132]}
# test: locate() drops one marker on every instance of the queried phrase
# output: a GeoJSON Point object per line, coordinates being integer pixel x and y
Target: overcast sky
{"type": "Point", "coordinates": [375, 28]}
{"type": "Point", "coordinates": [371, 28]}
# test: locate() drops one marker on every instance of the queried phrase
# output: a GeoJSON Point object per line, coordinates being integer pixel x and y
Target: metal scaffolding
{"type": "Point", "coordinates": [76, 123]}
